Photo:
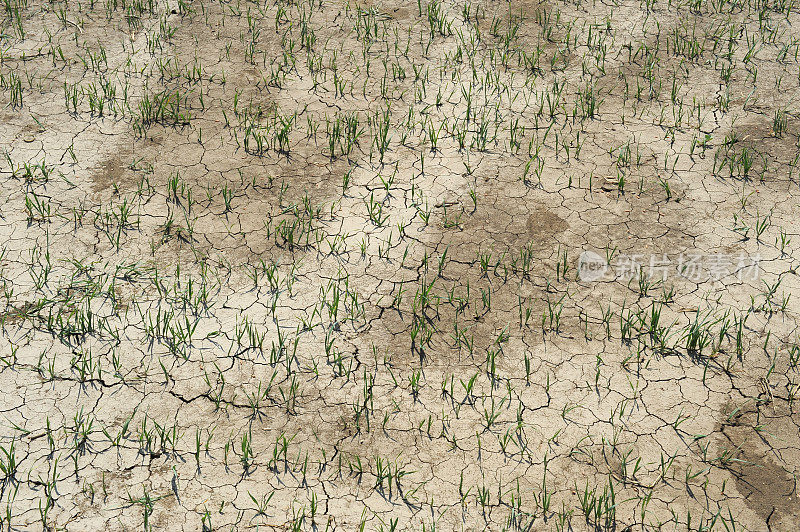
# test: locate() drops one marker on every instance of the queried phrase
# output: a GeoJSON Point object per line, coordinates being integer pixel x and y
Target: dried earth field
{"type": "Point", "coordinates": [314, 265]}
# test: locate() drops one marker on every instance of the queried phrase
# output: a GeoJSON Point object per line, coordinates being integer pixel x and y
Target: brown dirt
{"type": "Point", "coordinates": [212, 319]}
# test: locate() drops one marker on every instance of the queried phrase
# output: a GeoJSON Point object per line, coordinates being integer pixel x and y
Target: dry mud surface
{"type": "Point", "coordinates": [304, 265]}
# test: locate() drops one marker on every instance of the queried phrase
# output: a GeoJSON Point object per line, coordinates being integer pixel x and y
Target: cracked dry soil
{"type": "Point", "coordinates": [306, 265]}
